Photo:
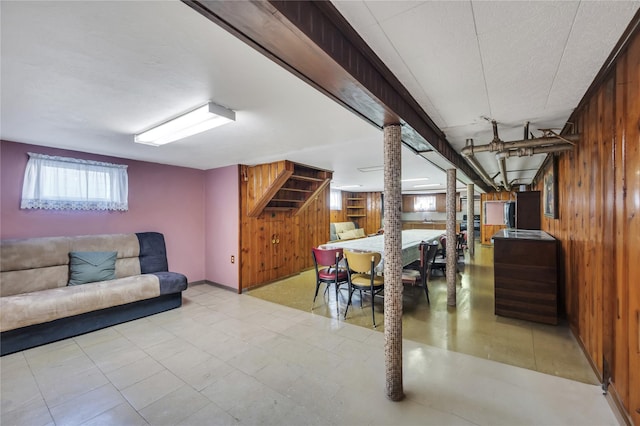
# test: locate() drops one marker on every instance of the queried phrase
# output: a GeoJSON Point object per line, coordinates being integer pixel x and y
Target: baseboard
{"type": "Point", "coordinates": [615, 402]}
{"type": "Point", "coordinates": [218, 285]}
{"type": "Point", "coordinates": [583, 348]}
{"type": "Point", "coordinates": [612, 396]}
{"type": "Point", "coordinates": [253, 287]}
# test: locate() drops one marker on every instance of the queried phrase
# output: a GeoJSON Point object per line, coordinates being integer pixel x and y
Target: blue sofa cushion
{"type": "Point", "coordinates": [153, 252]}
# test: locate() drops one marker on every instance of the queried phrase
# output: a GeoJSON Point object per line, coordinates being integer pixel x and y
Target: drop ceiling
{"type": "Point", "coordinates": [86, 76]}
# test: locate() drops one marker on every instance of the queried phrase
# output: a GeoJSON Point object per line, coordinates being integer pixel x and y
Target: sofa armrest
{"type": "Point", "coordinates": [171, 282]}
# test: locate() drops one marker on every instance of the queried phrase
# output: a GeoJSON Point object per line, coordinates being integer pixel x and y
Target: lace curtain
{"type": "Point", "coordinates": [424, 203]}
{"type": "Point", "coordinates": [61, 183]}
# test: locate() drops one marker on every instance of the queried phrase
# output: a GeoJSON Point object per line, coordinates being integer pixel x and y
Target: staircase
{"type": "Point", "coordinates": [283, 186]}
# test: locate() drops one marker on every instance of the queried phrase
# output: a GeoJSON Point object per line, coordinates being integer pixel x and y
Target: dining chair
{"type": "Point", "coordinates": [440, 261]}
{"type": "Point", "coordinates": [461, 244]}
{"type": "Point", "coordinates": [362, 276]}
{"type": "Point", "coordinates": [328, 271]}
{"type": "Point", "coordinates": [428, 252]}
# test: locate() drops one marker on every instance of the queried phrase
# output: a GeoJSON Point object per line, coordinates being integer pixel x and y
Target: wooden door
{"type": "Point", "coordinates": [282, 249]}
{"type": "Point", "coordinates": [272, 261]}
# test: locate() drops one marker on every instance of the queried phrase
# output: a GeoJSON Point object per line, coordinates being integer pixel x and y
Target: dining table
{"type": "Point", "coordinates": [411, 239]}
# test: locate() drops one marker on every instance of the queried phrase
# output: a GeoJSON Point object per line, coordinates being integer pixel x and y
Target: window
{"type": "Point", "coordinates": [335, 202]}
{"type": "Point", "coordinates": [424, 203]}
{"type": "Point", "coordinates": [61, 183]}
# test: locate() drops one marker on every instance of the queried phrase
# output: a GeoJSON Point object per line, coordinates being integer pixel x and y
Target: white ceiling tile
{"type": "Point", "coordinates": [380, 43]}
{"type": "Point", "coordinates": [520, 170]}
{"type": "Point", "coordinates": [437, 43]}
{"type": "Point", "coordinates": [597, 27]}
{"type": "Point", "coordinates": [383, 10]}
{"type": "Point", "coordinates": [432, 25]}
{"type": "Point", "coordinates": [356, 12]}
{"type": "Point", "coordinates": [520, 65]}
{"type": "Point", "coordinates": [510, 17]}
{"type": "Point", "coordinates": [458, 94]}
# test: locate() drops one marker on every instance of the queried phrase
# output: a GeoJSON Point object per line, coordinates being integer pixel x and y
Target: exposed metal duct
{"type": "Point", "coordinates": [502, 166]}
{"type": "Point", "coordinates": [502, 163]}
{"type": "Point", "coordinates": [499, 146]}
{"type": "Point", "coordinates": [523, 152]}
{"type": "Point", "coordinates": [480, 170]}
{"type": "Point", "coordinates": [549, 142]}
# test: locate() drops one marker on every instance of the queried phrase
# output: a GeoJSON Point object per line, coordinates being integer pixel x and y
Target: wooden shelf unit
{"type": "Point", "coordinates": [356, 208]}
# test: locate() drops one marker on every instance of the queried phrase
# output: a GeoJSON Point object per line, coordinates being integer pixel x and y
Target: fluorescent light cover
{"type": "Point", "coordinates": [414, 180]}
{"type": "Point", "coordinates": [348, 186]}
{"type": "Point", "coordinates": [371, 169]}
{"type": "Point", "coordinates": [426, 185]}
{"type": "Point", "coordinates": [199, 120]}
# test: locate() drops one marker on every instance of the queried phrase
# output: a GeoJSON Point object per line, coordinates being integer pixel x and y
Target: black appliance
{"type": "Point", "coordinates": [476, 222]}
{"type": "Point", "coordinates": [510, 214]}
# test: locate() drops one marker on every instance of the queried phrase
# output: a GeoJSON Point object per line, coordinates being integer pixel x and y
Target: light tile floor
{"type": "Point", "coordinates": [224, 358]}
{"type": "Point", "coordinates": [471, 327]}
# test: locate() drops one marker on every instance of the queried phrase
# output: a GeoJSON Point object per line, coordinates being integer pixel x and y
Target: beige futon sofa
{"type": "Point", "coordinates": [39, 305]}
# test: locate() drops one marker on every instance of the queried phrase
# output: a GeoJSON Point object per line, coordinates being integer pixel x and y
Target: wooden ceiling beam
{"type": "Point", "coordinates": [312, 40]}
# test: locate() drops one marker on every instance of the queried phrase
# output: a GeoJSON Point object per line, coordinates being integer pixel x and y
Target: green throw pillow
{"type": "Point", "coordinates": [91, 266]}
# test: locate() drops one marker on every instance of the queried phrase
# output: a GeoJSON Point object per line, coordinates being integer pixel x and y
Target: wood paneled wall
{"type": "Point", "coordinates": [277, 244]}
{"type": "Point", "coordinates": [373, 221]}
{"type": "Point", "coordinates": [599, 227]}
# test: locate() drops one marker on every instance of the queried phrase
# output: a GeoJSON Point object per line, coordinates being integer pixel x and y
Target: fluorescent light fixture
{"type": "Point", "coordinates": [414, 180]}
{"type": "Point", "coordinates": [371, 169]}
{"type": "Point", "coordinates": [198, 120]}
{"type": "Point", "coordinates": [347, 186]}
{"type": "Point", "coordinates": [426, 185]}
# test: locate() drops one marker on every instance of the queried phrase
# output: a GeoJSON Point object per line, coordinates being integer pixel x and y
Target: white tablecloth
{"type": "Point", "coordinates": [411, 239]}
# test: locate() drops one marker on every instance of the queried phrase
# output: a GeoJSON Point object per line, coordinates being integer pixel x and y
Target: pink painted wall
{"type": "Point", "coordinates": [162, 198]}
{"type": "Point", "coordinates": [222, 226]}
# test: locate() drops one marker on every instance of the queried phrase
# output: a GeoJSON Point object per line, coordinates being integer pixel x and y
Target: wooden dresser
{"type": "Point", "coordinates": [526, 275]}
